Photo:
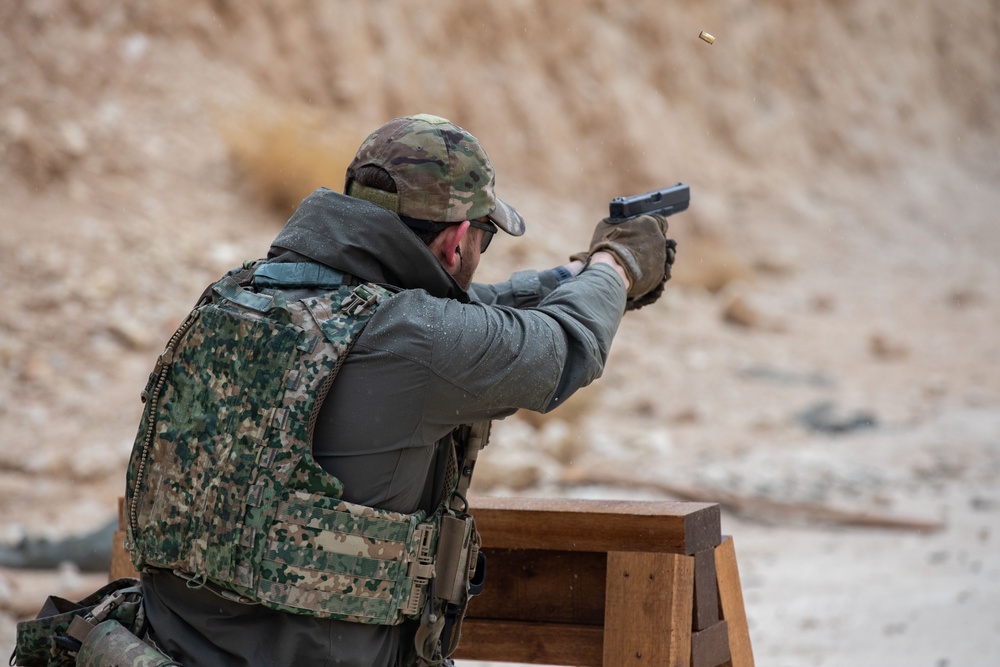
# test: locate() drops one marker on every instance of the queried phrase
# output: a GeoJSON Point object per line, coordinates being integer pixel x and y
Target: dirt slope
{"type": "Point", "coordinates": [840, 249]}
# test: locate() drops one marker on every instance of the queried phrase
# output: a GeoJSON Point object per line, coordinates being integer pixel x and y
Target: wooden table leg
{"type": "Point", "coordinates": [647, 611]}
{"type": "Point", "coordinates": [731, 599]}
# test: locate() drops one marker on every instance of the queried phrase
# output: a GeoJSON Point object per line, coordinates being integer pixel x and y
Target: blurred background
{"type": "Point", "coordinates": [825, 362]}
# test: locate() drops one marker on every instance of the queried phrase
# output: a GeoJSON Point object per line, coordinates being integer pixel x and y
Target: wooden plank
{"type": "Point", "coordinates": [549, 586]}
{"type": "Point", "coordinates": [682, 593]}
{"type": "Point", "coordinates": [648, 609]}
{"type": "Point", "coordinates": [710, 647]}
{"type": "Point", "coordinates": [560, 524]}
{"type": "Point", "coordinates": [531, 643]}
{"type": "Point", "coordinates": [121, 562]}
{"type": "Point", "coordinates": [706, 590]}
{"type": "Point", "coordinates": [731, 600]}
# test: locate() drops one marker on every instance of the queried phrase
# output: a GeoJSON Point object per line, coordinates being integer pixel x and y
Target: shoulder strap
{"type": "Point", "coordinates": [242, 275]}
{"type": "Point", "coordinates": [471, 439]}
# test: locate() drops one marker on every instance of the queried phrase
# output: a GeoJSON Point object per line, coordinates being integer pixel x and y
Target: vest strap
{"type": "Point", "coordinates": [290, 275]}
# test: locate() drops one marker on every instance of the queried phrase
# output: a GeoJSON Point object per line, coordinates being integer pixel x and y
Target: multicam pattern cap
{"type": "Point", "coordinates": [441, 172]}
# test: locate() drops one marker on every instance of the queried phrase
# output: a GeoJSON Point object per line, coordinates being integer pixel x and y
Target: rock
{"type": "Point", "coordinates": [886, 349]}
{"type": "Point", "coordinates": [786, 377]}
{"type": "Point", "coordinates": [824, 418]}
{"type": "Point", "coordinates": [74, 139]}
{"type": "Point", "coordinates": [16, 124]}
{"type": "Point", "coordinates": [965, 297]}
{"type": "Point", "coordinates": [131, 334]}
{"type": "Point", "coordinates": [741, 313]}
{"type": "Point", "coordinates": [37, 369]}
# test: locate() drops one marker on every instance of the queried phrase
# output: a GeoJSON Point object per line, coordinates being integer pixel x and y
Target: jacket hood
{"type": "Point", "coordinates": [364, 240]}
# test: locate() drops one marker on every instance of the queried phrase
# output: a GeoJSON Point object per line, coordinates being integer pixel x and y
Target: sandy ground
{"type": "Point", "coordinates": [827, 350]}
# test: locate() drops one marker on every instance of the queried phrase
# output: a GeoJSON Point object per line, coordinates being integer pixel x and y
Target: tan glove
{"type": "Point", "coordinates": [641, 248]}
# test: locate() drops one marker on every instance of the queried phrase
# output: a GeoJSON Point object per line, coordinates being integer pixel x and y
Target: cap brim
{"type": "Point", "coordinates": [507, 218]}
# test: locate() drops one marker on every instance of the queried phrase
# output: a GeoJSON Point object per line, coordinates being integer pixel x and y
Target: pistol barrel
{"type": "Point", "coordinates": [665, 201]}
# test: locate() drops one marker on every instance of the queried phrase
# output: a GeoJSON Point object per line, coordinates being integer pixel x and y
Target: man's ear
{"type": "Point", "coordinates": [445, 246]}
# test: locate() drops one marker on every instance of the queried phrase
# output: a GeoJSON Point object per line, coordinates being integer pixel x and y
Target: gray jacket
{"type": "Point", "coordinates": [433, 357]}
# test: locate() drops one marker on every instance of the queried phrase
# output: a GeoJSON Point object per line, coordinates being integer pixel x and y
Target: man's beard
{"type": "Point", "coordinates": [464, 275]}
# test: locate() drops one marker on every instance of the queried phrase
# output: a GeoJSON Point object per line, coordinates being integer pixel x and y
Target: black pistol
{"type": "Point", "coordinates": [665, 202]}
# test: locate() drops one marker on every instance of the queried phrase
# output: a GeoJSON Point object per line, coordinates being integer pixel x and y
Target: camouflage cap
{"type": "Point", "coordinates": [441, 172]}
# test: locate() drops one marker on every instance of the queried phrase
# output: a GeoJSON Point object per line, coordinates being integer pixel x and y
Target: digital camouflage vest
{"type": "Point", "coordinates": [222, 485]}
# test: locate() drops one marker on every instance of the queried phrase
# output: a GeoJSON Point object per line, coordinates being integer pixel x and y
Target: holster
{"type": "Point", "coordinates": [47, 640]}
{"type": "Point", "coordinates": [459, 574]}
{"type": "Point", "coordinates": [458, 545]}
{"type": "Point", "coordinates": [111, 644]}
{"type": "Point", "coordinates": [102, 629]}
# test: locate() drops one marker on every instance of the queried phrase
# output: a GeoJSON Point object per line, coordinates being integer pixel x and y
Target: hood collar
{"type": "Point", "coordinates": [364, 240]}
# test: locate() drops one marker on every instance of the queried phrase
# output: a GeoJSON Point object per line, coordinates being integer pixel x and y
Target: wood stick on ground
{"type": "Point", "coordinates": [754, 507]}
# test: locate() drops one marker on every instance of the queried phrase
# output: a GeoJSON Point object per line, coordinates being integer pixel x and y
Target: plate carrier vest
{"type": "Point", "coordinates": [223, 490]}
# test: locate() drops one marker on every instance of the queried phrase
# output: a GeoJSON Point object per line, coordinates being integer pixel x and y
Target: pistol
{"type": "Point", "coordinates": [665, 202]}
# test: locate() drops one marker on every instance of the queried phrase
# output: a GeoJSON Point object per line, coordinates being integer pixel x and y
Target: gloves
{"type": "Point", "coordinates": [641, 248]}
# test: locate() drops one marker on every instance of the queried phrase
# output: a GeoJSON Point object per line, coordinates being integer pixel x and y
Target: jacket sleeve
{"type": "Point", "coordinates": [524, 289]}
{"type": "Point", "coordinates": [488, 360]}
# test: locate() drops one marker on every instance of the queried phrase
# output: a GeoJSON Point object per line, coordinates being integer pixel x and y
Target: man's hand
{"type": "Point", "coordinates": [641, 249]}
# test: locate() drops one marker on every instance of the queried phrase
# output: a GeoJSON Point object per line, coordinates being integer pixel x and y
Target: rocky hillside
{"type": "Point", "coordinates": [840, 249]}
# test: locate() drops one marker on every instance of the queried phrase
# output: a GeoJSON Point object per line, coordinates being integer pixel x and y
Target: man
{"type": "Point", "coordinates": [297, 490]}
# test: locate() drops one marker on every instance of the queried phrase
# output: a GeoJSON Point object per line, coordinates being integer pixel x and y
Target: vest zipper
{"type": "Point", "coordinates": [152, 400]}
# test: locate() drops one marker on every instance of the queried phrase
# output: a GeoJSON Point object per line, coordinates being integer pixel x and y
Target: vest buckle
{"type": "Point", "coordinates": [361, 299]}
{"type": "Point", "coordinates": [421, 570]}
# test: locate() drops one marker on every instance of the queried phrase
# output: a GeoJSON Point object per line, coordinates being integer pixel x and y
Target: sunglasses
{"type": "Point", "coordinates": [489, 229]}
